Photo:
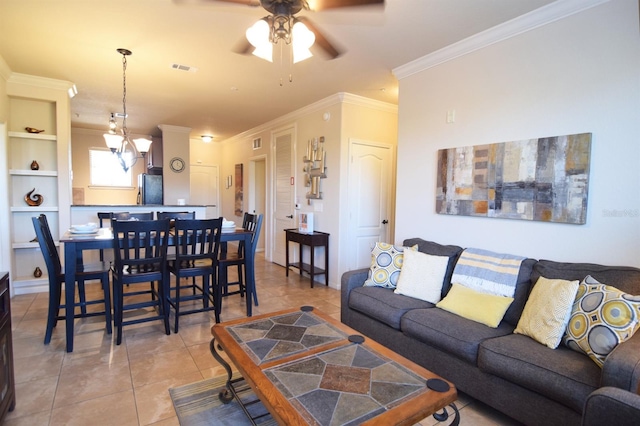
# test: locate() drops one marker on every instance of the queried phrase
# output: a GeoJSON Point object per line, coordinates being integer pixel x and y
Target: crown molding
{"type": "Point", "coordinates": [41, 82]}
{"type": "Point", "coordinates": [176, 129]}
{"type": "Point", "coordinates": [5, 71]}
{"type": "Point", "coordinates": [552, 12]}
{"type": "Point", "coordinates": [336, 99]}
{"type": "Point", "coordinates": [349, 98]}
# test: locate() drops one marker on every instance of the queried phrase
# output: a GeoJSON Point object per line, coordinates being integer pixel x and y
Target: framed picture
{"type": "Point", "coordinates": [305, 223]}
{"type": "Point", "coordinates": [544, 179]}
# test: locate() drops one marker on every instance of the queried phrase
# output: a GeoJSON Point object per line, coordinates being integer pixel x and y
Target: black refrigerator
{"type": "Point", "coordinates": [149, 189]}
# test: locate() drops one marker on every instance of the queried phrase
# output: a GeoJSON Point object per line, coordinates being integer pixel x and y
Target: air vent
{"type": "Point", "coordinates": [181, 67]}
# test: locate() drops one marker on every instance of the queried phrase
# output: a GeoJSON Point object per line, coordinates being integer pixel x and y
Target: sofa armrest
{"type": "Point", "coordinates": [611, 406]}
{"type": "Point", "coordinates": [622, 367]}
{"type": "Point", "coordinates": [350, 280]}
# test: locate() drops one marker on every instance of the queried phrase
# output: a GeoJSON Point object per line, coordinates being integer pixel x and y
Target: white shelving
{"type": "Point", "coordinates": [24, 149]}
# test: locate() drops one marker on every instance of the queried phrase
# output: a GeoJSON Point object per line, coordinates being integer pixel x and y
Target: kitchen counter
{"type": "Point", "coordinates": [89, 213]}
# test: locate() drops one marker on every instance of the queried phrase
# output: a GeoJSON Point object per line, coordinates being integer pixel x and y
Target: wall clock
{"type": "Point", "coordinates": [177, 164]}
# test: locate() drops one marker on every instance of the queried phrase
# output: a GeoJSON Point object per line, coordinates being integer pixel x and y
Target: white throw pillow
{"type": "Point", "coordinates": [422, 276]}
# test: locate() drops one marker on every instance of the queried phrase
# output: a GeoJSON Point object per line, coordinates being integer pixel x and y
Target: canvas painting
{"type": "Point", "coordinates": [545, 179]}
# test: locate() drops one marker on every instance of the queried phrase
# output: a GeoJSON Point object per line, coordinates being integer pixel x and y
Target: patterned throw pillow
{"type": "Point", "coordinates": [386, 261]}
{"type": "Point", "coordinates": [547, 311]}
{"type": "Point", "coordinates": [602, 317]}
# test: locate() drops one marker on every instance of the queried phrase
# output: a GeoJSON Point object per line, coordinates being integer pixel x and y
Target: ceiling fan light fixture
{"type": "Point", "coordinates": [303, 39]}
{"type": "Point", "coordinates": [259, 37]}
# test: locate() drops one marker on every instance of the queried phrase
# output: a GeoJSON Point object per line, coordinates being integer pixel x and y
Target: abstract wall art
{"type": "Point", "coordinates": [545, 179]}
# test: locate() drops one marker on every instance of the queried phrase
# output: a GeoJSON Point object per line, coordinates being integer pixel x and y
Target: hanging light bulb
{"type": "Point", "coordinates": [303, 39]}
{"type": "Point", "coordinates": [259, 37]}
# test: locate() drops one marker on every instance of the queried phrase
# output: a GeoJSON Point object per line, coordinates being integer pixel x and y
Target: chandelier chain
{"type": "Point", "coordinates": [124, 95]}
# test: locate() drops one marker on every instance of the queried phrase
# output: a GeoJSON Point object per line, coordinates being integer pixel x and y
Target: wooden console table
{"type": "Point", "coordinates": [316, 239]}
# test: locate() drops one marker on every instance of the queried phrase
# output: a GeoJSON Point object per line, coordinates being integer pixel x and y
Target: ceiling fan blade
{"type": "Point", "coordinates": [321, 40]}
{"type": "Point", "coordinates": [333, 4]}
{"type": "Point", "coordinates": [253, 3]}
{"type": "Point", "coordinates": [243, 47]}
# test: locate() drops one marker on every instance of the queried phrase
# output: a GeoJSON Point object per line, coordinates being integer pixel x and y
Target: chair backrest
{"type": "Point", "coordinates": [197, 239]}
{"type": "Point", "coordinates": [102, 216]}
{"type": "Point", "coordinates": [140, 245]}
{"type": "Point", "coordinates": [129, 216]}
{"type": "Point", "coordinates": [47, 246]}
{"type": "Point", "coordinates": [176, 215]}
{"type": "Point", "coordinates": [251, 222]}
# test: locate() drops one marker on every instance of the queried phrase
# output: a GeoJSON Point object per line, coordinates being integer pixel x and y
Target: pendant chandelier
{"type": "Point", "coordinates": [128, 151]}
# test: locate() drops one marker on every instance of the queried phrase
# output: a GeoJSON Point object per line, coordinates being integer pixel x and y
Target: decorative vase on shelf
{"type": "Point", "coordinates": [33, 200]}
{"type": "Point", "coordinates": [35, 165]}
{"type": "Point", "coordinates": [37, 272]}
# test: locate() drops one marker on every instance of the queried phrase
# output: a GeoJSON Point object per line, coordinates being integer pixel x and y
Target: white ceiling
{"type": "Point", "coordinates": [76, 40]}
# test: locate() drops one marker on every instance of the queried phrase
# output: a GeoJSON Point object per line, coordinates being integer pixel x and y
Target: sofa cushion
{"type": "Point", "coordinates": [625, 278]}
{"type": "Point", "coordinates": [547, 311]}
{"type": "Point", "coordinates": [561, 374]}
{"type": "Point", "coordinates": [435, 249]}
{"type": "Point", "coordinates": [422, 276]}
{"type": "Point", "coordinates": [386, 263]}
{"type": "Point", "coordinates": [487, 309]}
{"type": "Point", "coordinates": [602, 317]}
{"type": "Point", "coordinates": [383, 304]}
{"type": "Point", "coordinates": [449, 332]}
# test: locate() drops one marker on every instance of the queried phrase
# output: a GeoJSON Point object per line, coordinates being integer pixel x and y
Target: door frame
{"type": "Point", "coordinates": [251, 192]}
{"type": "Point", "coordinates": [292, 128]}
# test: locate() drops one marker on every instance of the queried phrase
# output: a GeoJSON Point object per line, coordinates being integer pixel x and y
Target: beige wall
{"type": "Point", "coordinates": [175, 143]}
{"type": "Point", "coordinates": [4, 194]}
{"type": "Point", "coordinates": [350, 117]}
{"type": "Point", "coordinates": [82, 140]}
{"type": "Point", "coordinates": [578, 74]}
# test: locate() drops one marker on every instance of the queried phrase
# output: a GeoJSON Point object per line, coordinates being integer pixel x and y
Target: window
{"type": "Point", "coordinates": [106, 169]}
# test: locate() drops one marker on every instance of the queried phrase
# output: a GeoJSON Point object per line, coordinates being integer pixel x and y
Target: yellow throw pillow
{"type": "Point", "coordinates": [485, 308]}
{"type": "Point", "coordinates": [547, 311]}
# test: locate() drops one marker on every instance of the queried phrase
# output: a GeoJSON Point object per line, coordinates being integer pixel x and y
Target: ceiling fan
{"type": "Point", "coordinates": [280, 25]}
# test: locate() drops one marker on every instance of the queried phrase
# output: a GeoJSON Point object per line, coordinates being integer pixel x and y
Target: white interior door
{"type": "Point", "coordinates": [204, 189]}
{"type": "Point", "coordinates": [284, 190]}
{"type": "Point", "coordinates": [370, 188]}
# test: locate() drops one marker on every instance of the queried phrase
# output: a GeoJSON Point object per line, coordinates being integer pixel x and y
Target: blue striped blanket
{"type": "Point", "coordinates": [488, 272]}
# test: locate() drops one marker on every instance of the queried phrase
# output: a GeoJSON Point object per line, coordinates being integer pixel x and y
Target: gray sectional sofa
{"type": "Point", "coordinates": [511, 372]}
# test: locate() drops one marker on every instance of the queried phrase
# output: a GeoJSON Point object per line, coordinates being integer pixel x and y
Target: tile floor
{"type": "Point", "coordinates": [103, 384]}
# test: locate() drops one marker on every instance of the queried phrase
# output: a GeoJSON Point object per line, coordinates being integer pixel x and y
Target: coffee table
{"type": "Point", "coordinates": [307, 368]}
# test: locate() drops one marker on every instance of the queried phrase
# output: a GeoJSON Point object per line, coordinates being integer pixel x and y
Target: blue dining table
{"type": "Point", "coordinates": [75, 244]}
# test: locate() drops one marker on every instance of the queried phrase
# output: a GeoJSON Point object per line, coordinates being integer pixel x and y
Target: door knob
{"type": "Point", "coordinates": [290, 216]}
{"type": "Point", "coordinates": [384, 222]}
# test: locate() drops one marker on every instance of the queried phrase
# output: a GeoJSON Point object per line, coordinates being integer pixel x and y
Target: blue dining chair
{"type": "Point", "coordinates": [197, 243]}
{"type": "Point", "coordinates": [251, 222]}
{"type": "Point", "coordinates": [56, 275]}
{"type": "Point", "coordinates": [140, 256]}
